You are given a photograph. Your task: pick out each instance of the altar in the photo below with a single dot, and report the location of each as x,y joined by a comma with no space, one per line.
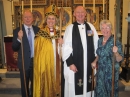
10,55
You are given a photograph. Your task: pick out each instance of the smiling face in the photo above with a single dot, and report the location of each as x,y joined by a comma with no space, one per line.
106,28
80,14
27,18
51,21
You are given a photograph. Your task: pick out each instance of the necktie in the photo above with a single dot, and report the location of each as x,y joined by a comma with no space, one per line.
30,40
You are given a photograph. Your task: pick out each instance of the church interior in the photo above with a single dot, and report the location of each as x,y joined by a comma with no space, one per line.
117,11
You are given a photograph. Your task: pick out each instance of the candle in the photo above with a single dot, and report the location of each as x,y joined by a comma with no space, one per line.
22,6
12,6
129,8
62,3
31,5
93,6
57,2
103,6
66,3
83,3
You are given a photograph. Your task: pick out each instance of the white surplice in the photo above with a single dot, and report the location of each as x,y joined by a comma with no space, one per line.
67,50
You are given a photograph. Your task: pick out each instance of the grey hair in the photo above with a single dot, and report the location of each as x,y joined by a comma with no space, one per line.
107,22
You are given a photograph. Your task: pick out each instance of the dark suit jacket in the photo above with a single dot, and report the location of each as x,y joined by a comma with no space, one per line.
16,46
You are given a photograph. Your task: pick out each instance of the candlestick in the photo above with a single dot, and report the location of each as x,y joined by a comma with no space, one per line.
93,6
13,21
12,6
103,6
22,6
103,16
31,5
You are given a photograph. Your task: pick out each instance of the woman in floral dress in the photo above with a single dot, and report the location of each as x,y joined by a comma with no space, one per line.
105,52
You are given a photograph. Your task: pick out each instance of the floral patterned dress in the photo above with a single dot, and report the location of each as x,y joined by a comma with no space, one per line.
104,73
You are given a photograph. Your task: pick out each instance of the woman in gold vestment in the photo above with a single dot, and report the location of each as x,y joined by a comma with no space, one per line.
46,56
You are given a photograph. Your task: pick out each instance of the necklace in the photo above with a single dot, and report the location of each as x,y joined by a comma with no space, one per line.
104,40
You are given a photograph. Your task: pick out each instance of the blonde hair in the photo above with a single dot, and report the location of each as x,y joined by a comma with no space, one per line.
107,22
45,20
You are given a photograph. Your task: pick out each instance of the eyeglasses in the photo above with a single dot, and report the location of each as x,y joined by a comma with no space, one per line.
107,28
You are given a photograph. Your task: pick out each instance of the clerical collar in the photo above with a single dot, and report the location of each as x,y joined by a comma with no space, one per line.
80,24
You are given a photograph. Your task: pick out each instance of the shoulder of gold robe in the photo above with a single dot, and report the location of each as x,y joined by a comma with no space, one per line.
45,34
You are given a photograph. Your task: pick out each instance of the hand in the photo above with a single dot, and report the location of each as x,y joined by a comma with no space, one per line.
115,49
20,34
73,68
60,41
93,65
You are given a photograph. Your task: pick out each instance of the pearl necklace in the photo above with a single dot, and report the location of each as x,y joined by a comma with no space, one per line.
104,40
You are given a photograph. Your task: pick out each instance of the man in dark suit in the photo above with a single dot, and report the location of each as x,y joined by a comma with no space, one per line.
21,36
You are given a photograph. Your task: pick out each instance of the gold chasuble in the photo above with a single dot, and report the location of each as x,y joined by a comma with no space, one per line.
44,83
